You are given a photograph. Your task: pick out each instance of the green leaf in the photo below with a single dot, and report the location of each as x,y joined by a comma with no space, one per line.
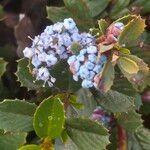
87,140
130,121
96,6
49,118
119,9
143,136
140,80
83,17
12,141
132,31
103,25
140,140
107,77
85,97
2,66
25,76
64,78
16,115
86,125
128,65
58,13
114,101
126,19
30,147
122,85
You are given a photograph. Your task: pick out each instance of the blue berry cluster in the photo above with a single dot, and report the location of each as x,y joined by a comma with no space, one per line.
87,65
52,45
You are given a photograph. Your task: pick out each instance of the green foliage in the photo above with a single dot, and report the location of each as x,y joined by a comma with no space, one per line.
114,101
107,77
103,25
96,6
132,31
120,9
25,76
87,134
12,141
128,65
30,147
49,118
57,13
86,125
66,114
130,121
140,140
64,78
139,80
16,115
85,97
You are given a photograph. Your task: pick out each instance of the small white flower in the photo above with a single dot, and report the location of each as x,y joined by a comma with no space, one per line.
69,24
51,60
28,52
43,74
57,27
92,49
42,56
49,30
35,61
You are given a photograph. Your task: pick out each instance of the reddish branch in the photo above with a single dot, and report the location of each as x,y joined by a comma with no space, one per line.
122,138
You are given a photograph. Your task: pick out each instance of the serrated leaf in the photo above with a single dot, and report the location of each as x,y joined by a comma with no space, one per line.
12,141
83,17
126,19
2,66
96,6
49,118
130,121
30,147
103,25
57,13
140,140
86,125
16,115
140,80
25,77
143,136
85,97
122,85
107,77
114,101
132,31
88,141
128,65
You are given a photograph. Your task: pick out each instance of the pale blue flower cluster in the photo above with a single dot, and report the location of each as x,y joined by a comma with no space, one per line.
52,45
86,65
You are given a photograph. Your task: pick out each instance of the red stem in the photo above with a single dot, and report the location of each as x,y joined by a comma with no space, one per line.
122,138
